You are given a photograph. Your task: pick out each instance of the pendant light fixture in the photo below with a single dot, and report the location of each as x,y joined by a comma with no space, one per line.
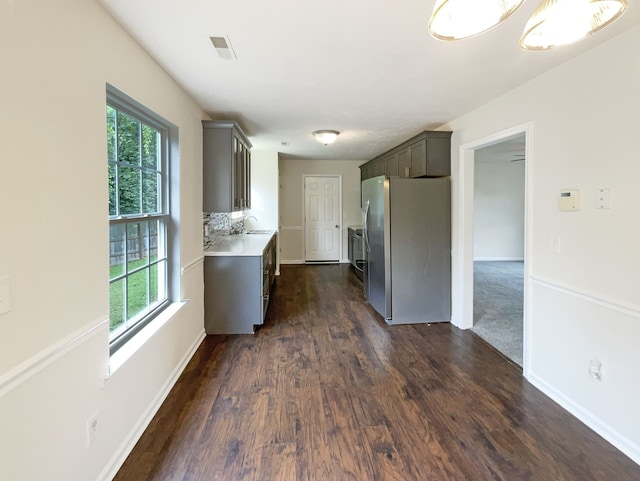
561,22
326,136
458,19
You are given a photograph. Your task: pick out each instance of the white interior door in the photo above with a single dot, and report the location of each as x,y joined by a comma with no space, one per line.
322,219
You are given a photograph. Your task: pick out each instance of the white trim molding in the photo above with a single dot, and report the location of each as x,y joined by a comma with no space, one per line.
192,265
128,350
632,310
498,259
572,404
621,442
32,366
125,448
462,254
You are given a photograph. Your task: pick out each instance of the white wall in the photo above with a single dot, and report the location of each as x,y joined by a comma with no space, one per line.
264,195
56,60
264,191
584,302
292,202
498,211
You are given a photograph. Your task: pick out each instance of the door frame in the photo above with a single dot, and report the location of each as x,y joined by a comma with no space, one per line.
304,217
462,279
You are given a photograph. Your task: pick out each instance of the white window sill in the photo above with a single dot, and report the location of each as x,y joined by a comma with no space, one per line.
126,352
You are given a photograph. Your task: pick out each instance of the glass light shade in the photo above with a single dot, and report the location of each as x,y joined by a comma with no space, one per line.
458,19
561,22
326,136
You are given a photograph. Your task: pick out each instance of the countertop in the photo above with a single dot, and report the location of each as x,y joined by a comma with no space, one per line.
239,245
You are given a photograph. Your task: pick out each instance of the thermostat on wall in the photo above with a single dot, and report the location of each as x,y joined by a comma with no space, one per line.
569,200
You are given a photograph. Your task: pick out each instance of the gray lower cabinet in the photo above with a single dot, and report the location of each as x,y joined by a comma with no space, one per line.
237,291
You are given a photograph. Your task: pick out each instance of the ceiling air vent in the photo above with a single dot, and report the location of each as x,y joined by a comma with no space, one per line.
223,47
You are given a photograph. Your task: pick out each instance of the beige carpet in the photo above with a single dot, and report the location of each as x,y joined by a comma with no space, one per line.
497,305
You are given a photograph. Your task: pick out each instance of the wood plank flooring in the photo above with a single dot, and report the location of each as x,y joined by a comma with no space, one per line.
325,391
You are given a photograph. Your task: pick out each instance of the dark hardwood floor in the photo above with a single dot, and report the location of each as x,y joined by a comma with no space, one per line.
325,391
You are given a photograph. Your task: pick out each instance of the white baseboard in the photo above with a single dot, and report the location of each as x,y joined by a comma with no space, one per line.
299,261
625,445
497,259
125,448
628,447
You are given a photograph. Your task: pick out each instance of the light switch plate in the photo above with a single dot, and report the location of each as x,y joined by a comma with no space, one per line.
5,295
603,198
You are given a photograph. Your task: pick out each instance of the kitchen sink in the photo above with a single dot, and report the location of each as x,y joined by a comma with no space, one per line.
263,231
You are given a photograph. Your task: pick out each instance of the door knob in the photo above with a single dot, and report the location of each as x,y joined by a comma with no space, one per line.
337,226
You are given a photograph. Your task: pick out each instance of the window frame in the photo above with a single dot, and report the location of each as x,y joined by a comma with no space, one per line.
168,139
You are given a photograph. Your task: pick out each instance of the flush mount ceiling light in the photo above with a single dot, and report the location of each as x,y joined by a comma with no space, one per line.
458,19
561,22
326,136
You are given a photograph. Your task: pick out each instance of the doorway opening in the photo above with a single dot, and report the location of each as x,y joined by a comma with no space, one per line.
493,241
498,245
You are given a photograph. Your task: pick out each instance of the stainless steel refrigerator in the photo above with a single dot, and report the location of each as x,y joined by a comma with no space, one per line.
407,248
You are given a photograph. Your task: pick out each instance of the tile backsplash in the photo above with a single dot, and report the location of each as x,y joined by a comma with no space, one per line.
220,224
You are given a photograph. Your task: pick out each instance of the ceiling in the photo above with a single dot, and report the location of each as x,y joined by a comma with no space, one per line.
367,68
511,150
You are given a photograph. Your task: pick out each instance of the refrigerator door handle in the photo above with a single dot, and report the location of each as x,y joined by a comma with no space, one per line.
365,228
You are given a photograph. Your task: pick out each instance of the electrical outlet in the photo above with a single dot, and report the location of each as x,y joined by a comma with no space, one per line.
595,369
554,245
92,428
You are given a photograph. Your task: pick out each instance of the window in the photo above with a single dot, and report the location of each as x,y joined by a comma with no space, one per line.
139,218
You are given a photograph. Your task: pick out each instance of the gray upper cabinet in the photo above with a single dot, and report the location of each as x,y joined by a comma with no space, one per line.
418,155
426,155
391,166
226,167
404,163
431,157
368,171
378,168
